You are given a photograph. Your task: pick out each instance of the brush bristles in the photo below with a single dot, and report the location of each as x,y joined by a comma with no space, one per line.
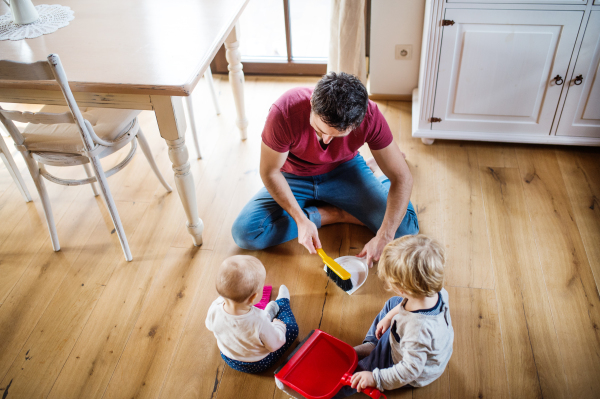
346,285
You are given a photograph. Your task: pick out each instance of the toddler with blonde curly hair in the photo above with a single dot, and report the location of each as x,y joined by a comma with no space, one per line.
410,340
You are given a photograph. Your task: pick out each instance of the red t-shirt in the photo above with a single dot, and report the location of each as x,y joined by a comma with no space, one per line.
288,129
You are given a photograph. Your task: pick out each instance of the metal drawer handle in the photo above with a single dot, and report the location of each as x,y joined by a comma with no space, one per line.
558,80
578,80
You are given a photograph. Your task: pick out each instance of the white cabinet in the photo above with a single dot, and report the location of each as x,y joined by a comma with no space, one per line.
497,69
500,72
581,113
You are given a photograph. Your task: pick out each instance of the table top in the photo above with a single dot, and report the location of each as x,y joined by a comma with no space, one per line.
132,46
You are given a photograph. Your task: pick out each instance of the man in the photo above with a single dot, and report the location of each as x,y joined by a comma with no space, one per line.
314,175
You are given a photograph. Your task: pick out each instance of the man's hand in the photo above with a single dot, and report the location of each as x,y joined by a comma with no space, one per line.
308,235
362,380
372,251
383,326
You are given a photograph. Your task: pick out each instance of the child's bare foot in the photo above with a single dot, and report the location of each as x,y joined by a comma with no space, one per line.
364,350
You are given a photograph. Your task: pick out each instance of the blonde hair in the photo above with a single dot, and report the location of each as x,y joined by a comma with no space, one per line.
413,264
239,277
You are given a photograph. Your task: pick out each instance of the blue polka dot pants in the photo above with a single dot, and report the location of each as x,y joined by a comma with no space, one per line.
291,333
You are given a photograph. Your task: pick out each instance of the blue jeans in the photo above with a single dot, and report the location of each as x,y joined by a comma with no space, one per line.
351,186
381,356
291,333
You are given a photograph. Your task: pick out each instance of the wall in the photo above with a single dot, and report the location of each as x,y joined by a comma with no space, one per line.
395,22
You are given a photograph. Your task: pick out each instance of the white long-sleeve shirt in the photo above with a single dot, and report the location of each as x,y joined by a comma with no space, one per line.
423,351
249,337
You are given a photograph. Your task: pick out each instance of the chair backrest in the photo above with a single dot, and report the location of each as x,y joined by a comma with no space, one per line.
42,70
11,70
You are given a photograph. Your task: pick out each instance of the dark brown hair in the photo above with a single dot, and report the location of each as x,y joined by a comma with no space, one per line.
340,100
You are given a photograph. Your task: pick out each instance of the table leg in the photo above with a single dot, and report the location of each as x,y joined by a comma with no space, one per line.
171,123
236,78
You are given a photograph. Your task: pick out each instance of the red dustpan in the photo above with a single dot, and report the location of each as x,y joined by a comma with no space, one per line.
320,366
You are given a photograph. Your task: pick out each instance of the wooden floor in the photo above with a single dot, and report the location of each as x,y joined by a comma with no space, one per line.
521,225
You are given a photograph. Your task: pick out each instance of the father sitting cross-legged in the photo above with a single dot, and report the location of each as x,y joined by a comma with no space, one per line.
314,175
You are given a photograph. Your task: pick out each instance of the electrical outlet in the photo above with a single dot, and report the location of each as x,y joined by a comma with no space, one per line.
403,51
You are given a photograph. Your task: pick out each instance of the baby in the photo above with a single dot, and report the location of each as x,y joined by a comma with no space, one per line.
250,339
410,340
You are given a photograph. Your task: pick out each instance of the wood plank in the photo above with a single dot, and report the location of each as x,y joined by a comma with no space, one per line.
438,389
529,296
425,163
581,175
285,264
137,182
94,357
468,259
366,302
24,231
24,226
531,349
190,375
311,290
316,301
447,197
215,188
41,358
55,97
150,348
573,295
496,155
6,180
29,298
476,368
11,210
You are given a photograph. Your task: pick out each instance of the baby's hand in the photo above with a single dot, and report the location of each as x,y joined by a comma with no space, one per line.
362,380
382,327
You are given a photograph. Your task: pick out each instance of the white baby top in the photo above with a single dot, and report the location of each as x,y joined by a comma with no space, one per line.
249,337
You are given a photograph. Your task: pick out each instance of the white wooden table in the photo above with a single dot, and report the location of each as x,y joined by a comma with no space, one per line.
138,54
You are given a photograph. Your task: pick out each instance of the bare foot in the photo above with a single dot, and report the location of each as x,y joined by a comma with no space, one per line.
364,350
372,164
331,214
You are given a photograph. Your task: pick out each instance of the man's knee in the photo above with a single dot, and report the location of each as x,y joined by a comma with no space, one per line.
242,236
410,224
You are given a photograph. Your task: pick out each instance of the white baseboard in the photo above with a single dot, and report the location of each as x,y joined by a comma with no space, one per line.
507,137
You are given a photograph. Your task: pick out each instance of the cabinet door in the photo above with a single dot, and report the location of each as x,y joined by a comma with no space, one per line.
581,2
497,67
581,113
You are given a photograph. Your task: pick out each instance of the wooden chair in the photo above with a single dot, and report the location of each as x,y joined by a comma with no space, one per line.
66,136
190,108
13,170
